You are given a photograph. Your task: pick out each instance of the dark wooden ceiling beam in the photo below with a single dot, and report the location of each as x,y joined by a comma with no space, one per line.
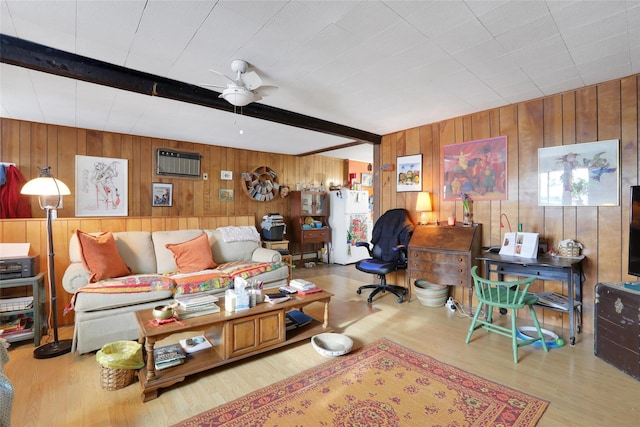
38,57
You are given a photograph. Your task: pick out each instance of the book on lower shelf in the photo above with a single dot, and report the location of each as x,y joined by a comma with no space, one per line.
295,319
168,356
554,300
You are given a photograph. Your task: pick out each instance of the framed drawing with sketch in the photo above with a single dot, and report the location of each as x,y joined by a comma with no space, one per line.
101,186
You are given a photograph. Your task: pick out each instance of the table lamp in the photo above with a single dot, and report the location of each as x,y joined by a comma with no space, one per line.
50,192
423,205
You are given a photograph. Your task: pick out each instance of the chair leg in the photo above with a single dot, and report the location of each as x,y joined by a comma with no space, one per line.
514,338
537,325
472,328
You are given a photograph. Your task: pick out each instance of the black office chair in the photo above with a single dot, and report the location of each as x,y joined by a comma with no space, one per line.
390,239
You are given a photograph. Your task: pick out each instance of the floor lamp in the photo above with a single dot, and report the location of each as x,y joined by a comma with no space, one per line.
50,192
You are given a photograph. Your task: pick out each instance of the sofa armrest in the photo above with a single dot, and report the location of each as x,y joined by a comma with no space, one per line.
75,277
266,255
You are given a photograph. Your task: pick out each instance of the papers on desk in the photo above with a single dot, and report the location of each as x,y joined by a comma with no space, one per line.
524,245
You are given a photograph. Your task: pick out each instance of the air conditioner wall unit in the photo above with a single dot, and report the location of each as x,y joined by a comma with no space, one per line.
174,163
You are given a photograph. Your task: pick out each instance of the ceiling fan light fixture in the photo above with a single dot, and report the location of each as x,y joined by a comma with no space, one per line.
238,96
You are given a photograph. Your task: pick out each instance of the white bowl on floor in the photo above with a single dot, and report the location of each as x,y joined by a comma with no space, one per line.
331,345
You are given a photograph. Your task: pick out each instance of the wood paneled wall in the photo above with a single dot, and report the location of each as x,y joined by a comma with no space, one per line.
31,145
600,112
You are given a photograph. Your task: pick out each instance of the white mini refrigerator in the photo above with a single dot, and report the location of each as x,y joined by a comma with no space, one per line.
350,221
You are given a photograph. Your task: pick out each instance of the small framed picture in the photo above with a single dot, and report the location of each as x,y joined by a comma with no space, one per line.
226,175
225,195
409,173
367,180
161,194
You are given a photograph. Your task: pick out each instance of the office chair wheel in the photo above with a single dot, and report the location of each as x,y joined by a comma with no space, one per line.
359,291
400,299
370,300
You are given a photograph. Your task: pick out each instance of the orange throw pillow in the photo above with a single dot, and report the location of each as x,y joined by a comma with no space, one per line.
192,255
100,256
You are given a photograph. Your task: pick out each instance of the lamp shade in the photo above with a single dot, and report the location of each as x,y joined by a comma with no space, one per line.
424,202
47,187
423,205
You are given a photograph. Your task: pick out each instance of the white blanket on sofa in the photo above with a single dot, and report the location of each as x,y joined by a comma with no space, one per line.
239,234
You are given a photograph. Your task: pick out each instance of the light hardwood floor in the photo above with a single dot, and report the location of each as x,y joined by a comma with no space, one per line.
583,390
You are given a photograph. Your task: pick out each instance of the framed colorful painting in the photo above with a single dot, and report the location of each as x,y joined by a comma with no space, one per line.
409,173
586,174
476,168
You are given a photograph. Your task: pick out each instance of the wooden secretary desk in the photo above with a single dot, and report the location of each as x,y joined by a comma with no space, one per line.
444,255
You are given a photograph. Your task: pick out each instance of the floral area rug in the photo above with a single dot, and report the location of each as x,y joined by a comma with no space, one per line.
381,384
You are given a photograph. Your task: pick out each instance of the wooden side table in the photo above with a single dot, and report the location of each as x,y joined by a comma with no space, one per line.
281,245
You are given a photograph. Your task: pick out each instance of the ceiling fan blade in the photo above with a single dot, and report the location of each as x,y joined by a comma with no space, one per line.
210,85
267,90
251,80
223,75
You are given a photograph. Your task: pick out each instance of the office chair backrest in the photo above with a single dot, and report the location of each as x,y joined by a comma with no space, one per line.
393,228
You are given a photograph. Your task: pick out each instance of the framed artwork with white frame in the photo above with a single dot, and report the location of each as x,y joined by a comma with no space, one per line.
586,174
161,194
101,186
409,173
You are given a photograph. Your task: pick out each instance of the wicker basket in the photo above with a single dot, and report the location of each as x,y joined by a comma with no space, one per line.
569,249
115,379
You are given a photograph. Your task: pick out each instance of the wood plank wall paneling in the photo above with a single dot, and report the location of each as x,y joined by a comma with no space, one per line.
34,232
600,112
32,145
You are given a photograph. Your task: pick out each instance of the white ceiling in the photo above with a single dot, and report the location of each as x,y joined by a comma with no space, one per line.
378,66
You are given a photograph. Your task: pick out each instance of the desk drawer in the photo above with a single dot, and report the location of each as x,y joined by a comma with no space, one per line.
313,236
438,257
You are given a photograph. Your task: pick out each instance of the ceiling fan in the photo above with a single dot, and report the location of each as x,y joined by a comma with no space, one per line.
242,90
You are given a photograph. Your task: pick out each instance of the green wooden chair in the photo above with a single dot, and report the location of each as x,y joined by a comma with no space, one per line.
505,295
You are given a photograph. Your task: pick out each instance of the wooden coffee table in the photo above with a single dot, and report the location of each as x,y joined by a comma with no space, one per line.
238,335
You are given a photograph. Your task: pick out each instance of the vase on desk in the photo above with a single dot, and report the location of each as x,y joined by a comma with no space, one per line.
467,213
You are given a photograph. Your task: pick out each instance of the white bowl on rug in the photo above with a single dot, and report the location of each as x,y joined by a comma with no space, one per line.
331,345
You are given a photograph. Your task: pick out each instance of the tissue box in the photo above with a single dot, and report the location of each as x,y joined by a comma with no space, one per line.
242,300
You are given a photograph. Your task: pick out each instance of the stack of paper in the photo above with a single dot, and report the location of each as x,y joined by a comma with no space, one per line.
192,345
195,305
16,304
301,284
276,298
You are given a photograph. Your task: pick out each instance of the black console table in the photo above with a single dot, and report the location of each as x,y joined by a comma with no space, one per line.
564,269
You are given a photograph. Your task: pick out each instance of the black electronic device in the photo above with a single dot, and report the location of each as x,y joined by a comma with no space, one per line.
19,267
634,232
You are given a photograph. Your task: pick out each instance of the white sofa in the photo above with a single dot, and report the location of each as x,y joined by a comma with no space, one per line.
101,318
